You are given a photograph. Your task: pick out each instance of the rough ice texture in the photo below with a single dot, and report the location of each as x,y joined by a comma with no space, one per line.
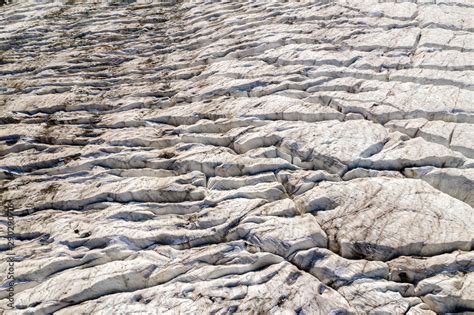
310,157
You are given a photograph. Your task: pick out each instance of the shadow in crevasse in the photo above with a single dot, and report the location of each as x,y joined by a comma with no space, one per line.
4,2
